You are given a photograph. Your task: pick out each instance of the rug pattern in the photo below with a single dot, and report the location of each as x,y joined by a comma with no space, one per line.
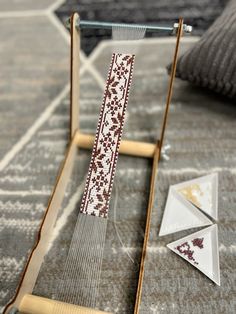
170,284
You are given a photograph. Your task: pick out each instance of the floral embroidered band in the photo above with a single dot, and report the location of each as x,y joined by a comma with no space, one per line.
103,162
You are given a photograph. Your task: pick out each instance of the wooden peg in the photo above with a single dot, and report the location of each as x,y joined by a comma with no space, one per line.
132,148
74,74
31,304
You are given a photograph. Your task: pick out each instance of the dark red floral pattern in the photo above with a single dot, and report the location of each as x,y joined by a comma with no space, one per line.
101,172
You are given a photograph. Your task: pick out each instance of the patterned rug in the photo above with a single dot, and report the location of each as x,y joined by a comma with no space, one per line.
34,120
198,146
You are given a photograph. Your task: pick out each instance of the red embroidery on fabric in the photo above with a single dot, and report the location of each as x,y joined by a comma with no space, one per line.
198,242
101,172
184,248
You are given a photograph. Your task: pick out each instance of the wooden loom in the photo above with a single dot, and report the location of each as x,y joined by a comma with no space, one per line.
24,301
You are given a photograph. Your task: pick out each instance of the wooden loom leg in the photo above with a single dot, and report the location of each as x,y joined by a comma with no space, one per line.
74,74
35,259
156,159
39,250
147,229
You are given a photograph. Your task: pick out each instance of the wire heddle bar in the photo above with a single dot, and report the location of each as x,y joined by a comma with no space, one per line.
152,28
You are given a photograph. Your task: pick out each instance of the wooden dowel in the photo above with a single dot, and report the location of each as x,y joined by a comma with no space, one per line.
156,159
171,83
74,74
147,229
31,304
133,148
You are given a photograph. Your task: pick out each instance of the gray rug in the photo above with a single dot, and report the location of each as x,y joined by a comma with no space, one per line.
201,131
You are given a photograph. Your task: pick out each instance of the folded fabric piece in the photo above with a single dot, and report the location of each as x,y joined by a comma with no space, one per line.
211,62
201,250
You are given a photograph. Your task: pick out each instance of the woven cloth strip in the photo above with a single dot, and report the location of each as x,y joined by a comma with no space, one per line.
102,167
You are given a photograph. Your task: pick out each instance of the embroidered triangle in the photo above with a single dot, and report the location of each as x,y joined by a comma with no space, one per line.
201,250
180,214
202,192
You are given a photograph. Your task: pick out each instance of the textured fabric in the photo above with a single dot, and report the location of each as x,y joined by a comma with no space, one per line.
211,62
102,167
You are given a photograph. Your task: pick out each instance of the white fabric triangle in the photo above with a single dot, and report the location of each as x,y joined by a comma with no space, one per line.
202,192
201,250
180,214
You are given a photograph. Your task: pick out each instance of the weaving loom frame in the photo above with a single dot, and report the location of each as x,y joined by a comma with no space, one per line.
79,140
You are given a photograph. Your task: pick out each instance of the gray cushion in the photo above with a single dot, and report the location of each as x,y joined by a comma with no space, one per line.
211,62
